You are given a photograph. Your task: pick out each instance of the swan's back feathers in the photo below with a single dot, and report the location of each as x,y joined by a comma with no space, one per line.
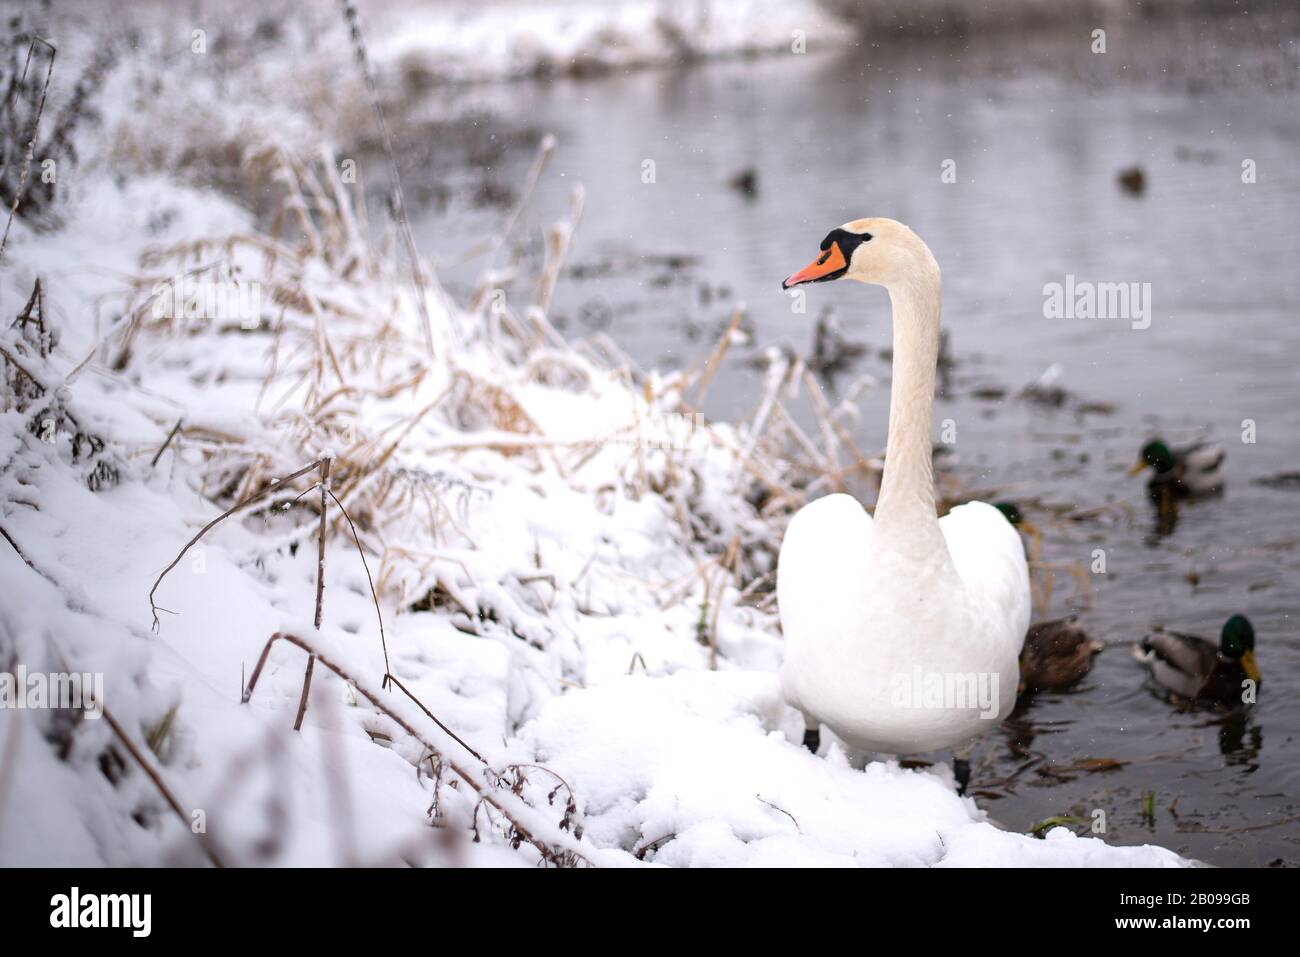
990,559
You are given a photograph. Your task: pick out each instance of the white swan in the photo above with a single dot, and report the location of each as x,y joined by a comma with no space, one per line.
902,632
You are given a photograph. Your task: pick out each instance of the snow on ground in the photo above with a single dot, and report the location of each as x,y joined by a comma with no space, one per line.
703,766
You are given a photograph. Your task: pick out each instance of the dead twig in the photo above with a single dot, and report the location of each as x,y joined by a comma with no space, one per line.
320,555
520,832
320,588
159,784
399,202
383,641
27,561
777,807
392,679
714,361
31,140
153,607
306,690
649,846
166,442
544,151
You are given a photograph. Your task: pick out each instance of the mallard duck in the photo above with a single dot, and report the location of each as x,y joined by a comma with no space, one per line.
1056,655
1192,667
879,612
1012,513
1185,472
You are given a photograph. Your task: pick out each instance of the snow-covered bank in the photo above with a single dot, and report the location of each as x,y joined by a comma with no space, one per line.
542,580
468,42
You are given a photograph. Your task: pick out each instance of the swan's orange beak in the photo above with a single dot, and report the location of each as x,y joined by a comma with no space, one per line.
826,266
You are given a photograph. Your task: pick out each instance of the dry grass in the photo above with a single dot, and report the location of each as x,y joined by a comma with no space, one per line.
348,372
347,376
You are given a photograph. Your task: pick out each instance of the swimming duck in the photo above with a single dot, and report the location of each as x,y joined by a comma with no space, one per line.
1193,668
884,616
1056,655
1185,472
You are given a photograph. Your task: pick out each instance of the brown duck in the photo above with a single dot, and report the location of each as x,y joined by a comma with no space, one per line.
1056,655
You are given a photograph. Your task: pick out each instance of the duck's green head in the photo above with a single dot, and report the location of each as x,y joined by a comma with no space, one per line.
1011,511
1237,643
1157,455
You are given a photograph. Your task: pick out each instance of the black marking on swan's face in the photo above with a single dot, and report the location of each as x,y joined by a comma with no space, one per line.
848,243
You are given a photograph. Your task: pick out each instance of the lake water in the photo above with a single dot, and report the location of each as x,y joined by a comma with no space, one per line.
1037,130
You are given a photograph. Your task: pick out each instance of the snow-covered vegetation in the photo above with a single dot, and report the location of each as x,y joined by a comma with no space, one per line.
529,587
466,41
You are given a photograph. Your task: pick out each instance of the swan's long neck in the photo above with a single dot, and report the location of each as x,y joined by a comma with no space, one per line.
906,502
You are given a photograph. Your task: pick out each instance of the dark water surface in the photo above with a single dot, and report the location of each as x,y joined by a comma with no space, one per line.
1038,129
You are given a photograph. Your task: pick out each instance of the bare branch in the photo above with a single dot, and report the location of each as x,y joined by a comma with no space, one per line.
153,607
551,854
31,142
320,559
306,690
158,783
383,641
166,442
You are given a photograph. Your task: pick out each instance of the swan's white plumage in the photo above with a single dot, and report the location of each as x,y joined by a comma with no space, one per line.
855,619
990,559
873,609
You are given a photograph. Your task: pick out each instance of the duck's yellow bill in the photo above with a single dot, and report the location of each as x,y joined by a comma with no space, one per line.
1248,665
1138,466
825,266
